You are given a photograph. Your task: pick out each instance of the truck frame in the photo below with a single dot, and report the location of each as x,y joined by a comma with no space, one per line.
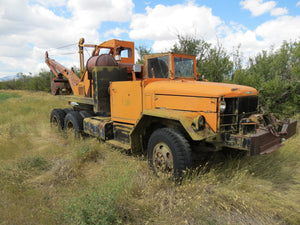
160,109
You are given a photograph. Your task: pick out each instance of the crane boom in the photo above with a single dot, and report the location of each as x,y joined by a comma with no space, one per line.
58,69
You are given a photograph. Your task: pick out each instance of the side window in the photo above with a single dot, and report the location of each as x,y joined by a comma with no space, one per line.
126,53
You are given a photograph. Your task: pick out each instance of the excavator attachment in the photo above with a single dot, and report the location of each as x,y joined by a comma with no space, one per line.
60,86
64,79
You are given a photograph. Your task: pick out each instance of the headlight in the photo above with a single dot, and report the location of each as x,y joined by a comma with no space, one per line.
222,106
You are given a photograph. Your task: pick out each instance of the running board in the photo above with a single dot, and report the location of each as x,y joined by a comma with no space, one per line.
119,144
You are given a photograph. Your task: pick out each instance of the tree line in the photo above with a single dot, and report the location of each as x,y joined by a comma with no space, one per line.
39,82
274,73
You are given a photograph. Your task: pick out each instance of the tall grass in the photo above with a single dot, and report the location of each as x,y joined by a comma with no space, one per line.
47,179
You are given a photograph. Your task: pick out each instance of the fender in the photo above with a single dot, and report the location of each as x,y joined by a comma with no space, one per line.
184,118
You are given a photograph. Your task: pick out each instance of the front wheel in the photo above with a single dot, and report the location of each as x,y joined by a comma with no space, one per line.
168,152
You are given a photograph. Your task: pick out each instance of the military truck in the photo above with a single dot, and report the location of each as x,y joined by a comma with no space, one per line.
161,108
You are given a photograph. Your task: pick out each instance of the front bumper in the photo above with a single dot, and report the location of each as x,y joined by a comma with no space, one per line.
264,141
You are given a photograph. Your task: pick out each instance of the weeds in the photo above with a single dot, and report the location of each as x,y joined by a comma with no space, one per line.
47,179
33,163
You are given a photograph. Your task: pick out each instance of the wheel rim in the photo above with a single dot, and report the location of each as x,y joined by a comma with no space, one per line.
71,130
70,127
163,159
54,122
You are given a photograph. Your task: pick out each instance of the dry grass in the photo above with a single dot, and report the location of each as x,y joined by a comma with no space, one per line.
47,179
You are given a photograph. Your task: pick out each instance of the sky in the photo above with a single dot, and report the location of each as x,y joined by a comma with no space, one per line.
28,28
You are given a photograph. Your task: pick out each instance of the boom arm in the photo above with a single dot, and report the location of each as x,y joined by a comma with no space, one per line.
59,70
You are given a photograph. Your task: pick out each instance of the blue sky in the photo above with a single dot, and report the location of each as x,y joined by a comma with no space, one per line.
30,27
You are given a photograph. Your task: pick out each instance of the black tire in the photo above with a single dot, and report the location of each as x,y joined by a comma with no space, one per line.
168,152
73,124
57,118
68,110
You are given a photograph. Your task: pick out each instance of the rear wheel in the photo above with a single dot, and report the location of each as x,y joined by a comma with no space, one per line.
67,110
57,118
168,153
73,124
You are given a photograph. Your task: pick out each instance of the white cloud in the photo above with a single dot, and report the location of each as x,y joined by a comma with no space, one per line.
259,7
163,23
115,32
270,33
282,28
29,27
51,3
298,4
279,11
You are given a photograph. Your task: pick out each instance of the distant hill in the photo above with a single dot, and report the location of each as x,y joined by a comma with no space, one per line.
8,77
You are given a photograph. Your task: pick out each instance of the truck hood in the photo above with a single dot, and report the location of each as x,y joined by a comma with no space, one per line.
198,88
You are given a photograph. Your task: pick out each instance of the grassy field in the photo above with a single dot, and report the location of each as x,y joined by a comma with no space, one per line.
47,179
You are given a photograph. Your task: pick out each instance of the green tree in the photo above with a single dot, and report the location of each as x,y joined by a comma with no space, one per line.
276,75
142,50
217,65
213,62
190,45
39,82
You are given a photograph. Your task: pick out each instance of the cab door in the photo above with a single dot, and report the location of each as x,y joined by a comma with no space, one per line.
126,101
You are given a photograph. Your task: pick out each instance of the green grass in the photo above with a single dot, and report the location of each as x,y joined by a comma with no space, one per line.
4,96
47,179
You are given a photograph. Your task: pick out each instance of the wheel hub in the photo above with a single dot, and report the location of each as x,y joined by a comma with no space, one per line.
163,158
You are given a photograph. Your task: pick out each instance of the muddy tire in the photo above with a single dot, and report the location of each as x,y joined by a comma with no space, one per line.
57,118
168,153
73,124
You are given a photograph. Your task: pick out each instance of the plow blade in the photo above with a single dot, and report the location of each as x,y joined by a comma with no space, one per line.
263,141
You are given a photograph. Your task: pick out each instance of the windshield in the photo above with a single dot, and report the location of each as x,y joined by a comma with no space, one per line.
184,67
158,67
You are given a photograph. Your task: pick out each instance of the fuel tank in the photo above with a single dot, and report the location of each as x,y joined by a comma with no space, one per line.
100,60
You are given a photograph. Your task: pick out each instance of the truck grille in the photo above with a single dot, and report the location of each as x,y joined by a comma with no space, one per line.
236,109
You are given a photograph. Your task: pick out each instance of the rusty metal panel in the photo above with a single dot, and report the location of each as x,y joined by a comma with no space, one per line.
262,141
291,129
102,76
100,127
237,141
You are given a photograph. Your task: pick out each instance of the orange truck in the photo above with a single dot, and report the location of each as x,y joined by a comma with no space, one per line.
160,109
